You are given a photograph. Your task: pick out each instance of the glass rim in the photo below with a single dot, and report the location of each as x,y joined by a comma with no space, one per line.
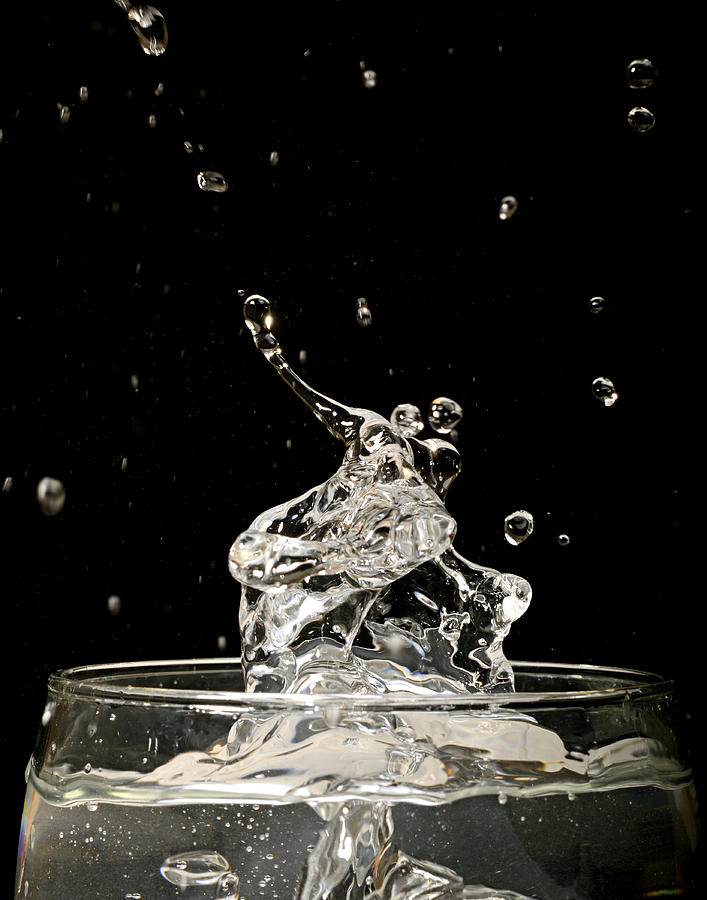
93,682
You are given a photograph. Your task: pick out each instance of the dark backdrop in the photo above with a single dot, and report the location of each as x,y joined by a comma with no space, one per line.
127,373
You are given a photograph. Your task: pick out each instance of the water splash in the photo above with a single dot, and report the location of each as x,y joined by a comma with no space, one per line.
150,26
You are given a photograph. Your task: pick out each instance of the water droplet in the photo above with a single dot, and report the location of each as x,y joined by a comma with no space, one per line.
518,526
407,420
212,181
641,119
150,27
221,641
502,798
91,806
134,382
83,93
640,73
563,539
87,768
507,207
604,390
64,113
444,415
48,713
152,120
159,89
113,604
51,496
228,886
302,356
597,304
363,313
369,78
2,135
196,868
7,485
188,146
274,158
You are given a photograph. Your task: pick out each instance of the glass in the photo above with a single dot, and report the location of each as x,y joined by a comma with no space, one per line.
165,779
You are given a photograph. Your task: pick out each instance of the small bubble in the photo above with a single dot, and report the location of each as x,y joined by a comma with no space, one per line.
641,119
150,27
407,420
152,120
369,78
51,496
597,304
507,207
518,526
274,158
196,868
83,93
563,539
212,181
444,415
640,74
604,390
113,604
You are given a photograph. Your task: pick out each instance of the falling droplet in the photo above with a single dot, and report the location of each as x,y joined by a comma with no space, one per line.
444,415
604,390
221,642
188,146
197,868
507,207
640,74
363,313
7,485
152,120
114,605
563,539
83,93
64,113
51,496
369,78
212,181
48,713
274,158
134,382
641,119
597,304
150,27
518,526
159,89
407,420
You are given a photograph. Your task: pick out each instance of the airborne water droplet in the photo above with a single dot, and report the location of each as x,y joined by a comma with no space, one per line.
149,25
212,181
563,539
507,207
597,304
363,313
274,158
444,415
640,73
518,526
51,495
641,119
83,93
114,605
604,390
152,120
369,78
407,420
64,113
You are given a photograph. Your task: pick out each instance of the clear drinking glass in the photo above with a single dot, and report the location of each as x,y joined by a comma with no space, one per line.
165,779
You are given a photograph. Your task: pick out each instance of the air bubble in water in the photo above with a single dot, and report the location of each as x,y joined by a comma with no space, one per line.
597,304
196,868
518,526
641,119
604,390
83,93
150,27
369,78
363,313
640,73
212,181
51,496
407,420
444,415
507,207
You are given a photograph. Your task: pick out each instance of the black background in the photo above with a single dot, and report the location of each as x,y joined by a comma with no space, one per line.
390,193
